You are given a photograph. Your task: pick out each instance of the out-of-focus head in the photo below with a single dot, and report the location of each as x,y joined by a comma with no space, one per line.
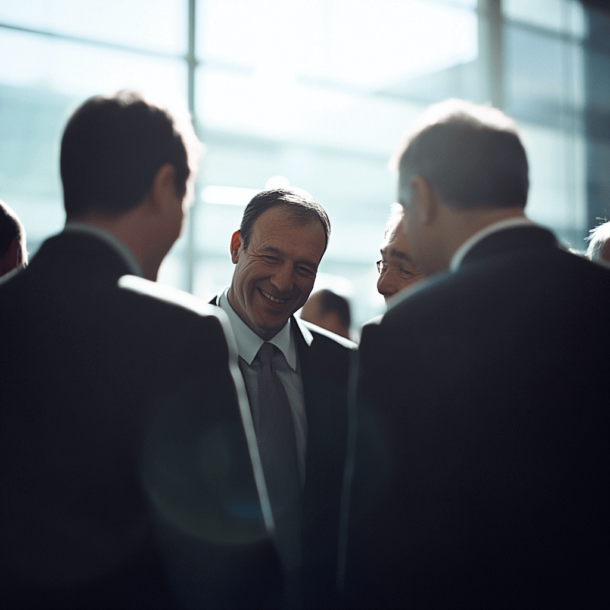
599,243
13,251
276,252
112,149
329,310
396,268
467,157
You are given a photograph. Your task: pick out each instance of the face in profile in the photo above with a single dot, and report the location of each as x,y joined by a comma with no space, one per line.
396,268
275,274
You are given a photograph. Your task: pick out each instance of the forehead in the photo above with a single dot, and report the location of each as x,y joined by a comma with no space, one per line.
395,242
404,187
277,228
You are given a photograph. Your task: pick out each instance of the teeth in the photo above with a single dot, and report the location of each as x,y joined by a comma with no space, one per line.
273,299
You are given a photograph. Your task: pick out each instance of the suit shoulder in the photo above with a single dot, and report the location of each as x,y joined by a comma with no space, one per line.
176,307
327,336
161,294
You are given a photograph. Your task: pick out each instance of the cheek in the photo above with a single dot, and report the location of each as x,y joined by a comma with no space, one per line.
305,287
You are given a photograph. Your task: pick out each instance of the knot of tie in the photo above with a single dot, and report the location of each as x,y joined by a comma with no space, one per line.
265,353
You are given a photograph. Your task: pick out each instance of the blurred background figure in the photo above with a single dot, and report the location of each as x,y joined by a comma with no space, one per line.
13,251
396,268
599,244
328,310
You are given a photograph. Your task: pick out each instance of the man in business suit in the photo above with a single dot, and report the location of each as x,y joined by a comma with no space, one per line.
276,252
119,409
481,466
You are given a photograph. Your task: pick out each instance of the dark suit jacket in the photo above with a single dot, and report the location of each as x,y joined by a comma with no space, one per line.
482,461
325,366
118,411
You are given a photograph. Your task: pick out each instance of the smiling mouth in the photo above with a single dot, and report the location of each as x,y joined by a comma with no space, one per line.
272,298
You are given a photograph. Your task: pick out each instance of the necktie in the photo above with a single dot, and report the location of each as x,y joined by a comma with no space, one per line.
277,446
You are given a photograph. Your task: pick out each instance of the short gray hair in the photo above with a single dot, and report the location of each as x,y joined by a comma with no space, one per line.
469,155
599,243
397,214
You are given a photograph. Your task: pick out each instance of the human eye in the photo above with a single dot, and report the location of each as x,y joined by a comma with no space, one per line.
305,271
407,273
269,258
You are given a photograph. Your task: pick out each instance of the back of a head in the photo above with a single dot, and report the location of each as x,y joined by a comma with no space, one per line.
112,148
331,302
299,204
470,155
599,244
12,240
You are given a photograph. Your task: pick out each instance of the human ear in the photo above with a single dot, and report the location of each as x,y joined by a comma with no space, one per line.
12,258
163,189
424,199
235,245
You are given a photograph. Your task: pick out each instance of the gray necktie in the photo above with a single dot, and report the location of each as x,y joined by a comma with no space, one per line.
277,446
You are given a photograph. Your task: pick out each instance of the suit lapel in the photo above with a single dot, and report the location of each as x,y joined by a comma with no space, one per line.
304,353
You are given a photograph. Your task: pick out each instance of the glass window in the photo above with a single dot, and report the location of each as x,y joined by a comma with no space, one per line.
310,93
320,92
157,25
46,80
358,43
557,195
566,16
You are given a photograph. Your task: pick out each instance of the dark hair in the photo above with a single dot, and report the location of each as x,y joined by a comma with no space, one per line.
10,227
301,206
330,301
112,148
469,155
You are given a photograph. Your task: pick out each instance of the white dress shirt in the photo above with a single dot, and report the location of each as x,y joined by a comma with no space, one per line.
110,240
287,366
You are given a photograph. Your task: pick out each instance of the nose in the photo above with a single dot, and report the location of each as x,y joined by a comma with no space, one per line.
282,279
386,285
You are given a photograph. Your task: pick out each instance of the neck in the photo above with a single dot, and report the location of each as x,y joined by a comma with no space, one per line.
131,230
461,225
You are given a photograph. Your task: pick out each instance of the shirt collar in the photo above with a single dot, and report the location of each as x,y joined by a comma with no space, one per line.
111,240
248,342
458,257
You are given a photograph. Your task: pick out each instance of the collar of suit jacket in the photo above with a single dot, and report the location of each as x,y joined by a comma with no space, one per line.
462,251
109,239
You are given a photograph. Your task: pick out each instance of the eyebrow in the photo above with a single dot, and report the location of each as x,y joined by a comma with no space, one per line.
396,254
272,250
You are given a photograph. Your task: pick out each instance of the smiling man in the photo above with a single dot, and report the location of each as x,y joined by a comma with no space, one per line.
296,378
396,268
